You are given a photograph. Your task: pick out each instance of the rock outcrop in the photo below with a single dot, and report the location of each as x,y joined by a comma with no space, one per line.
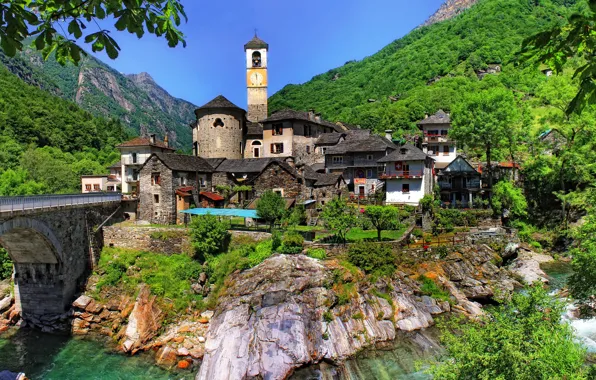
527,266
143,322
448,10
284,313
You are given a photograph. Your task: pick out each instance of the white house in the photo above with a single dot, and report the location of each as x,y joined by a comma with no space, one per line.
408,175
133,155
436,142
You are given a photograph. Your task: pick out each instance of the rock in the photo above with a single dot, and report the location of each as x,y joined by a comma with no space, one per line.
82,302
183,364
203,320
166,356
5,303
201,339
80,327
202,278
144,321
207,314
527,266
128,345
197,353
183,352
94,307
197,288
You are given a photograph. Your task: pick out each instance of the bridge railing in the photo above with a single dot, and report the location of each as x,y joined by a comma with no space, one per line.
35,202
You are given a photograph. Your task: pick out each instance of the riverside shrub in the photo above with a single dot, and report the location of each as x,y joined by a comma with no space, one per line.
5,265
373,258
523,339
209,237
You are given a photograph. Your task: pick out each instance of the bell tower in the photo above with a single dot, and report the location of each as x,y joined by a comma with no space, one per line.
256,78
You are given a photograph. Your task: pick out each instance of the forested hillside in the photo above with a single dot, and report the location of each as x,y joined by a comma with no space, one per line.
141,104
424,70
47,143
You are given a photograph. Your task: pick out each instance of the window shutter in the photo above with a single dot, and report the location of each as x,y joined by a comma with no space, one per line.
272,148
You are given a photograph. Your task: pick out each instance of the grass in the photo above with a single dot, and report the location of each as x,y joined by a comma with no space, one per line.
169,277
432,289
357,234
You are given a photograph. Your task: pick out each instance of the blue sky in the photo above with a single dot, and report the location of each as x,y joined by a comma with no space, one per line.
306,38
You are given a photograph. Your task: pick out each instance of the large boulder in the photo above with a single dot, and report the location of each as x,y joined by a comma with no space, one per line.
143,322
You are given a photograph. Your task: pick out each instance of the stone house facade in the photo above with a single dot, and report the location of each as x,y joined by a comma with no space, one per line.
164,179
436,141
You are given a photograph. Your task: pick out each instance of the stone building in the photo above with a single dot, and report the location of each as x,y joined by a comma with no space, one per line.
356,158
219,130
133,154
170,183
460,183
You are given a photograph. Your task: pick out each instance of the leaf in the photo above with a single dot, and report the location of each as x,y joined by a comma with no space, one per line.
75,29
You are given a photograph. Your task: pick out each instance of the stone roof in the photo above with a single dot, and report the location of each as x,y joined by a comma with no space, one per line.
289,114
406,152
320,179
219,101
254,129
214,162
250,165
439,118
329,138
144,141
256,43
183,163
357,144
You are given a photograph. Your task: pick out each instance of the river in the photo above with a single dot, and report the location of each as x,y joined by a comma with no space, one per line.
48,357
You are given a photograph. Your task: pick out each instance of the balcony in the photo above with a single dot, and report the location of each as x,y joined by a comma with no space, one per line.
473,184
131,179
414,174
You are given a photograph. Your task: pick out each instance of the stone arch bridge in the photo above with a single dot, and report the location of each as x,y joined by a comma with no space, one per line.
54,242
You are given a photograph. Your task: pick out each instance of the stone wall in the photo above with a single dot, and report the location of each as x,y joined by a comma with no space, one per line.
220,141
163,211
275,177
160,240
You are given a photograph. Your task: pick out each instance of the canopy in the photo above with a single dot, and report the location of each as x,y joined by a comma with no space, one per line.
222,212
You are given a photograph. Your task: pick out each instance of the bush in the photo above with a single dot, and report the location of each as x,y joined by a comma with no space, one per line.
209,237
442,251
373,258
432,289
276,239
328,316
292,243
317,253
5,265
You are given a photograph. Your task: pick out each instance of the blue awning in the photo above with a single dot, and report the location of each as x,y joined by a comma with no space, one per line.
222,212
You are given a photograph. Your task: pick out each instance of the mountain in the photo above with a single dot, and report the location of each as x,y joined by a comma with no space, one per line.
430,67
136,100
448,10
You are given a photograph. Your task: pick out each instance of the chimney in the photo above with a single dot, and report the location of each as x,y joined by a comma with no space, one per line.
311,114
166,141
426,116
290,161
152,138
318,117
389,134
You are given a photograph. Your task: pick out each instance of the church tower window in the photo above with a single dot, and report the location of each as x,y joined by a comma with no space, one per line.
218,123
256,59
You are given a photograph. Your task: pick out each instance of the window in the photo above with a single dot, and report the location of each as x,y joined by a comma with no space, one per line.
446,150
155,179
278,129
218,123
96,187
111,188
155,198
256,59
202,182
88,187
369,173
433,150
406,169
195,148
277,148
369,157
323,150
405,188
443,132
308,149
183,180
337,159
433,132
307,130
279,191
134,158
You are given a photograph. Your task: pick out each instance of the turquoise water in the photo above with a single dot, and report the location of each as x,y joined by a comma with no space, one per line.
55,357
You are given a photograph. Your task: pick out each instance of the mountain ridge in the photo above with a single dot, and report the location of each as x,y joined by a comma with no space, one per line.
448,10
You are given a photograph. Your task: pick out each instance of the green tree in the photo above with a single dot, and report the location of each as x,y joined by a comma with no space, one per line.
17,182
339,217
507,196
382,218
271,207
522,340
582,283
373,258
557,45
483,120
58,25
5,265
209,236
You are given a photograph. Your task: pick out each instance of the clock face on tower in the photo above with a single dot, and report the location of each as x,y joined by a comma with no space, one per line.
257,78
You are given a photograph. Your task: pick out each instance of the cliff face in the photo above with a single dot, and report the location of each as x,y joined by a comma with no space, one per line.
449,9
137,100
287,312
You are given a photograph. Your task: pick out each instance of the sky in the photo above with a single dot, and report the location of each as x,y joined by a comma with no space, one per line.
306,38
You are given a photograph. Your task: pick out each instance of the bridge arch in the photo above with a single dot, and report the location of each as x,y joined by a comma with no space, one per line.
37,254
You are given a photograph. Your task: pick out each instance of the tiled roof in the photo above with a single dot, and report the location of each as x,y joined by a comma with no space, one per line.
256,43
372,143
213,196
219,101
288,114
405,152
439,118
329,138
183,163
144,141
254,129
